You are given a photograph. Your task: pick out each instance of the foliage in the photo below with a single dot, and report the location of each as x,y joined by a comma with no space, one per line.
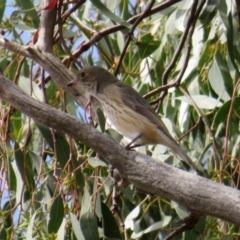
55,187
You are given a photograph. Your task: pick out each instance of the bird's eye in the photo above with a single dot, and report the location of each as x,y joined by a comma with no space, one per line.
82,74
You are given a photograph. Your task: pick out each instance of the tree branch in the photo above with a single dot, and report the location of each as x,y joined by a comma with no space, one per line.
45,37
196,193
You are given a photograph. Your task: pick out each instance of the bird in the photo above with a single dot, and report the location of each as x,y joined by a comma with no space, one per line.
127,110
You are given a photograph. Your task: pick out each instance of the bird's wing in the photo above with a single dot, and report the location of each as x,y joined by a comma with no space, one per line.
136,102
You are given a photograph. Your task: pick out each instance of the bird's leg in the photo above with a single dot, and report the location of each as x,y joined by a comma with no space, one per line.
129,147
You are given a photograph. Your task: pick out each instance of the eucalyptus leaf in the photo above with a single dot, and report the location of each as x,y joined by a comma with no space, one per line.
88,223
96,162
153,227
76,227
56,215
202,101
18,23
100,6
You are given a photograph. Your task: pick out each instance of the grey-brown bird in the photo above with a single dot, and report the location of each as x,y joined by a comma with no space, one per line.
127,110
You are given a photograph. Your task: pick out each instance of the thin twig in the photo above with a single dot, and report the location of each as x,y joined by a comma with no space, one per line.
215,146
193,127
70,11
159,89
228,127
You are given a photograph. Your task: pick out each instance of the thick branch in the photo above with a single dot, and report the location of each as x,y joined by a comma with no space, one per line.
196,193
45,38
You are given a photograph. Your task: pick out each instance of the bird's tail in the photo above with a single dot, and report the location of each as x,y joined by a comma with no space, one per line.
186,158
176,148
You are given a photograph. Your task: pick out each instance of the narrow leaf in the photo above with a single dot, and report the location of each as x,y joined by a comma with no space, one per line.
153,227
222,113
110,227
202,101
96,162
18,23
100,6
2,8
147,45
76,227
56,215
220,78
89,226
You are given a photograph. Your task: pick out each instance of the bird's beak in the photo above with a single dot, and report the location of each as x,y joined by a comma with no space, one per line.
72,83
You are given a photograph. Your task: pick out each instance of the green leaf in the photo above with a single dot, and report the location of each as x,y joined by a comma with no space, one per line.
76,227
29,173
222,21
182,14
89,226
19,180
202,101
96,162
61,231
62,146
46,132
170,27
199,227
67,33
2,8
6,220
29,8
222,113
129,220
78,171
56,215
51,91
30,88
16,121
72,108
100,6
153,227
19,157
30,231
18,23
110,227
63,150
114,134
220,78
147,45
181,211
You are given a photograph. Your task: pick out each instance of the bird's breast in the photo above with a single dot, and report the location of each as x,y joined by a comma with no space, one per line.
127,121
